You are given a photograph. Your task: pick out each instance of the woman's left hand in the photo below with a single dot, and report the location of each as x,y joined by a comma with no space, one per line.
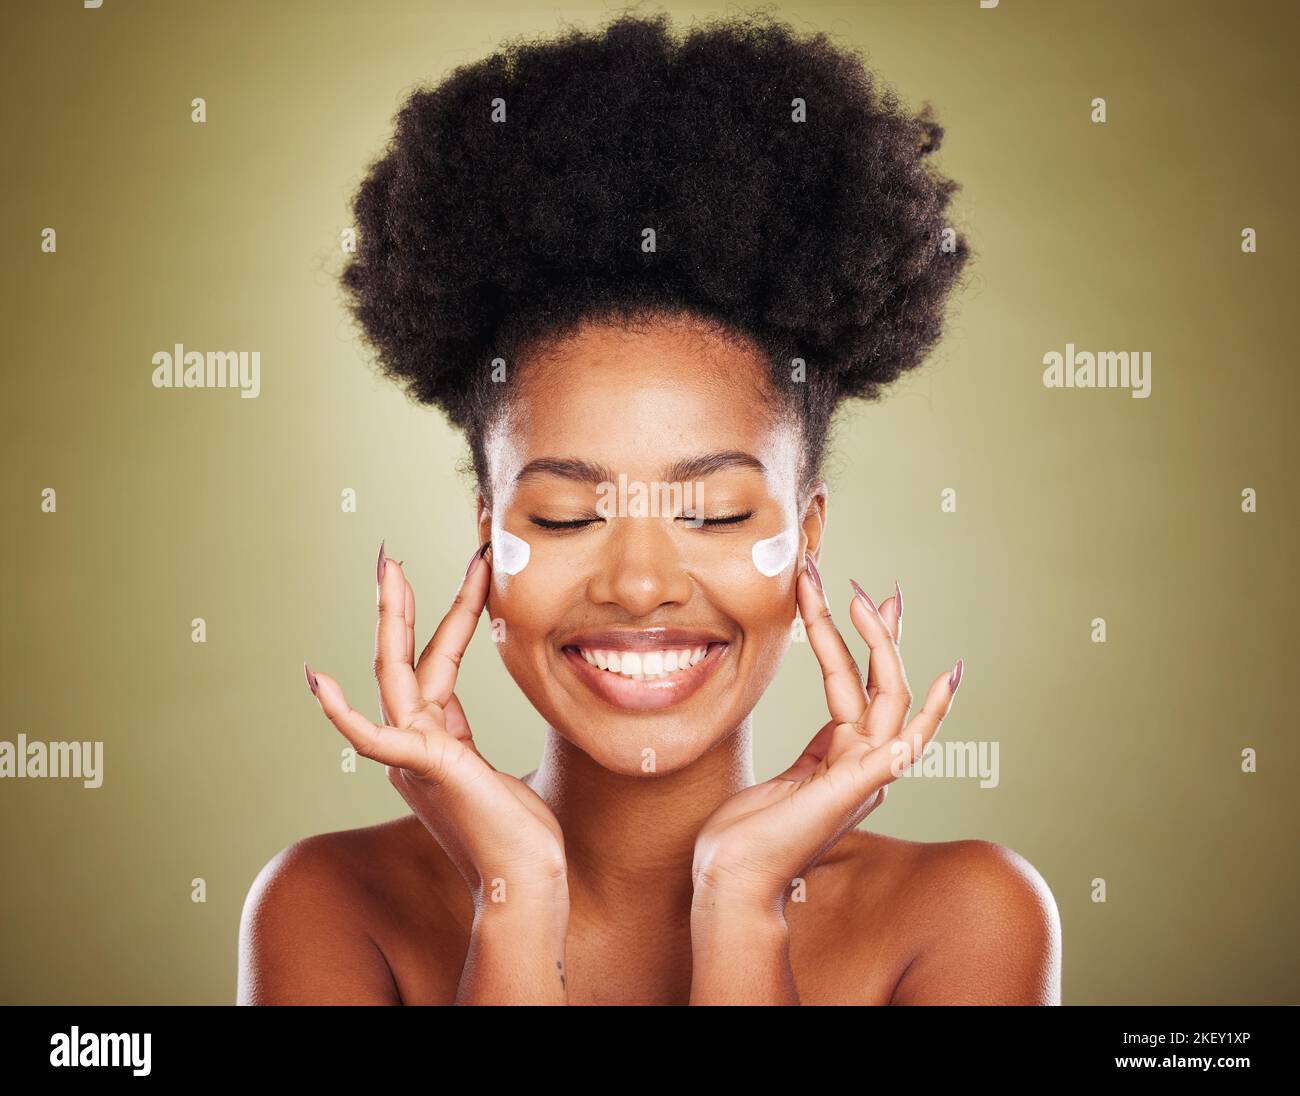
752,848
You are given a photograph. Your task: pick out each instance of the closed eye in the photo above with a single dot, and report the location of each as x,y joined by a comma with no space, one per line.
576,523
730,519
579,523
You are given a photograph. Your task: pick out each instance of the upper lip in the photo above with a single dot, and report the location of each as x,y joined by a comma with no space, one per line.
642,639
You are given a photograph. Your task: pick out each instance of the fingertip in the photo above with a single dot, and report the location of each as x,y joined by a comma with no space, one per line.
326,688
810,569
860,592
480,554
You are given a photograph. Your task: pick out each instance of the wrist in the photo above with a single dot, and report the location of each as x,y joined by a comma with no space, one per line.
740,956
516,955
522,909
731,902
716,923
508,891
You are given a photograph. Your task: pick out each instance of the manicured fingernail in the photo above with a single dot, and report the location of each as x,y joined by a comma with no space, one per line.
898,599
482,551
383,562
954,678
863,595
812,570
311,678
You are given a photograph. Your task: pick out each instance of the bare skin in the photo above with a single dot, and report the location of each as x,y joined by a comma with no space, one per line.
593,879
379,916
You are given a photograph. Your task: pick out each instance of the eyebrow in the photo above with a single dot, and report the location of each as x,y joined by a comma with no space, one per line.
690,468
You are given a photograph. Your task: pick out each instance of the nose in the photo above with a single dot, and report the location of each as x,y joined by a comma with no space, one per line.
641,568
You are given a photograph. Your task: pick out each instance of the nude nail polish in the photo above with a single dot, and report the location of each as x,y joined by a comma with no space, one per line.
812,570
954,678
898,599
383,562
311,679
482,551
863,595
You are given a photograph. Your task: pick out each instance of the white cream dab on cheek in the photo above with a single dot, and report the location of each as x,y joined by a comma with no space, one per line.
510,553
774,555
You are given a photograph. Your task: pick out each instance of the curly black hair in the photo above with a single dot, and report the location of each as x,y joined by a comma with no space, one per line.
788,193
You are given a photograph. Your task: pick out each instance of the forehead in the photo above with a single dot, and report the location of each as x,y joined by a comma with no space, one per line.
638,399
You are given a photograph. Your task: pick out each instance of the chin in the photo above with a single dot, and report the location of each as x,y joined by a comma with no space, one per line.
625,748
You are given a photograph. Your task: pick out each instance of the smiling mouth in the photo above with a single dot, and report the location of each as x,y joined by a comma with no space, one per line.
645,679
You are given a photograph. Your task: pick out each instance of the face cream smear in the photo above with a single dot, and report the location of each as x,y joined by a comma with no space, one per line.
774,555
780,463
510,553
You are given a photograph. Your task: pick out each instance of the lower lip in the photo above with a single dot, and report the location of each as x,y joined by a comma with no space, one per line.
646,696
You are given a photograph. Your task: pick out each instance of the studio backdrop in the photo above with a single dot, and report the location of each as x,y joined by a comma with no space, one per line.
1112,552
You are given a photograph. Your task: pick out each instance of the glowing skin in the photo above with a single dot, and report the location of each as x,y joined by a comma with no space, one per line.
652,405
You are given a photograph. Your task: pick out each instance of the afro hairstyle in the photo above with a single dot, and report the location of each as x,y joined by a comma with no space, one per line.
788,191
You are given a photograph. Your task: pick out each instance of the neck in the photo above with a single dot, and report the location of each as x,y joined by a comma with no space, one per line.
630,840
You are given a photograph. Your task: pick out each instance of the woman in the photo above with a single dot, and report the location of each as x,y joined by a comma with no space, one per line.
641,274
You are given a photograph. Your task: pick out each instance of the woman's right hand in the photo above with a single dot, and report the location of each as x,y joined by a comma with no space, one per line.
500,834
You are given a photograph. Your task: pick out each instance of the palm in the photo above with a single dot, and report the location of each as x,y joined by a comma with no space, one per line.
762,838
478,814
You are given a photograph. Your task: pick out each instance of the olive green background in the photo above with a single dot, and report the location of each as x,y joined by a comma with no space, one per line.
1119,761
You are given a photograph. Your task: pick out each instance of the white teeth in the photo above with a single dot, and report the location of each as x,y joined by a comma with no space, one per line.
641,666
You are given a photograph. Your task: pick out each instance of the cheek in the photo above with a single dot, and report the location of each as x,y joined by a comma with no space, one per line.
524,607
764,607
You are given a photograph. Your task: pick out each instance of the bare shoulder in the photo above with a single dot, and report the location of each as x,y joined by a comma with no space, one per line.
987,928
949,922
321,913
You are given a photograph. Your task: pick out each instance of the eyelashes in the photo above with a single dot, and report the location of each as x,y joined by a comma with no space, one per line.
582,523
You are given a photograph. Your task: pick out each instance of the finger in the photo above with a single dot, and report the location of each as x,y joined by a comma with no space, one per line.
399,692
457,724
846,697
388,745
440,662
895,757
892,698
409,616
890,613
887,614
